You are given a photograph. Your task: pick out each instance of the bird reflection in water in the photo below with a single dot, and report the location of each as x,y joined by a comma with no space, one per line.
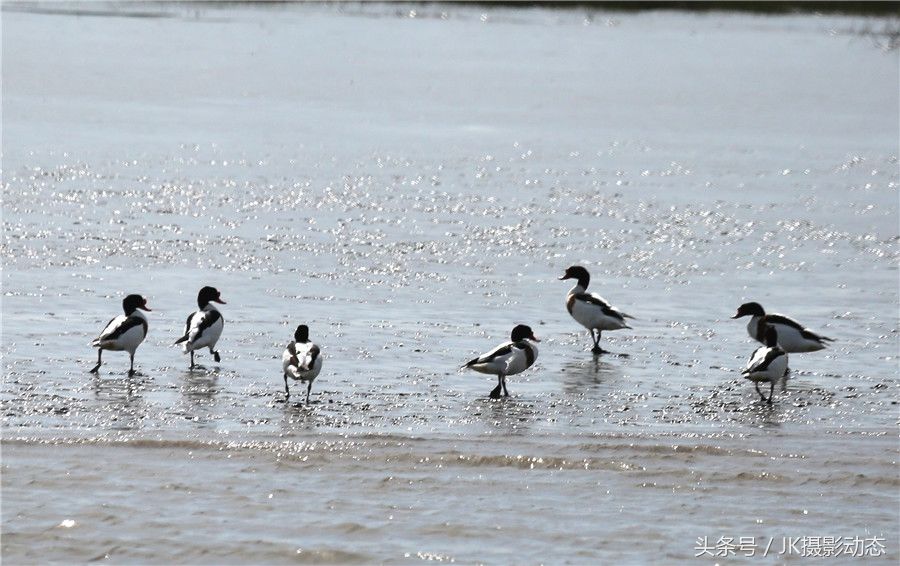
589,374
298,418
510,416
764,415
200,389
122,400
122,391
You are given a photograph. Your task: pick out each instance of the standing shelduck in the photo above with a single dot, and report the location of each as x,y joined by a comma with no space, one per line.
590,310
301,361
768,364
203,328
792,336
124,332
509,358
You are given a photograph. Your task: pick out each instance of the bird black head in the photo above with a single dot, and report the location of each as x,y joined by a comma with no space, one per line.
771,336
577,272
751,309
208,295
521,332
134,302
301,334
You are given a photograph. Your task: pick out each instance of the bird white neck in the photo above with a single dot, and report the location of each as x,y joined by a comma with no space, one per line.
753,328
577,289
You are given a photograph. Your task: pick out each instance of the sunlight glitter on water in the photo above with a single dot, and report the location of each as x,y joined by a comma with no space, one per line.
411,235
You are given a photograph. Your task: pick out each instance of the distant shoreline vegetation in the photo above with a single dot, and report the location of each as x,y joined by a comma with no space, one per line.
888,10
787,7
141,7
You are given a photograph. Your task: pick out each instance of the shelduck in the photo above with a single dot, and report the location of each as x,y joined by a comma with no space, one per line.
793,337
301,361
124,332
203,327
508,358
591,310
768,364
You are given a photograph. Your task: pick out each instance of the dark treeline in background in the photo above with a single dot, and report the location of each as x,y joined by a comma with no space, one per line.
795,6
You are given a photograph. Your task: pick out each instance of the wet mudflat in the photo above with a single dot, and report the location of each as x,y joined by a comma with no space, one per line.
411,188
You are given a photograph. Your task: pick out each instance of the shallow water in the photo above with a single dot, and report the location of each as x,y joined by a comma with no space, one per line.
411,188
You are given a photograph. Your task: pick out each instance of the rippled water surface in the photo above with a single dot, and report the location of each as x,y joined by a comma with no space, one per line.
411,188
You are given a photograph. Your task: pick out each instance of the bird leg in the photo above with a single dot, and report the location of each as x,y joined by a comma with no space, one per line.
99,356
192,359
761,396
505,392
771,392
131,369
308,389
216,356
287,392
784,379
597,350
495,393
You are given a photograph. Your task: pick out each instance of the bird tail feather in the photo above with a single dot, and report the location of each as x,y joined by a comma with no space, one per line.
469,364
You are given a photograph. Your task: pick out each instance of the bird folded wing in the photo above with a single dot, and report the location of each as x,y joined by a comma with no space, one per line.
125,326
607,309
110,326
204,321
187,329
501,350
763,364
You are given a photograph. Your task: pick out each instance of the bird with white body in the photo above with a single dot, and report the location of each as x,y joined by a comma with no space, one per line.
301,361
591,310
793,337
508,358
204,327
124,332
768,364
